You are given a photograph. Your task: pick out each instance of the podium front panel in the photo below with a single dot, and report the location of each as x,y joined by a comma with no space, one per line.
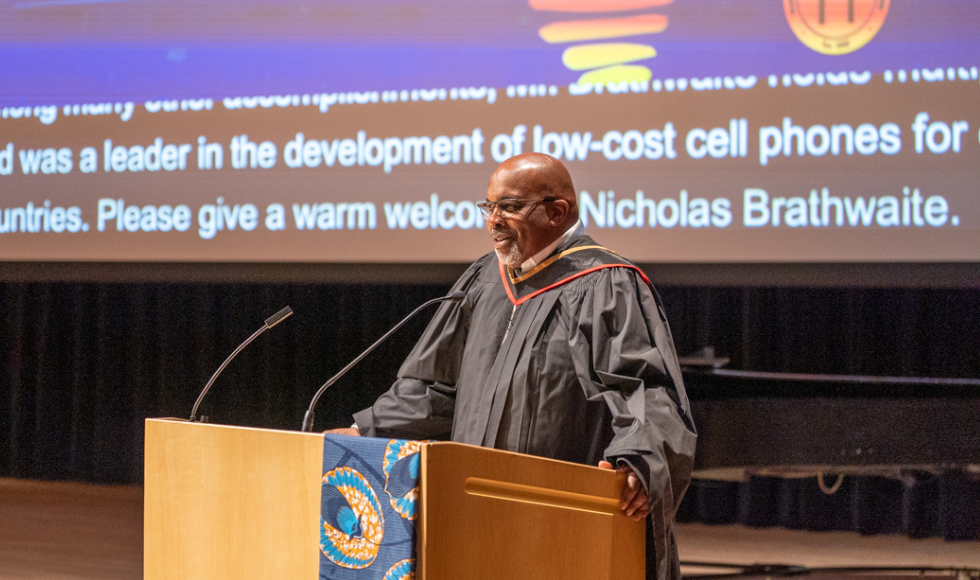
225,502
493,515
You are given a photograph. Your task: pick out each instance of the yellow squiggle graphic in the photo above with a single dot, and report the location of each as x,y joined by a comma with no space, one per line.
588,56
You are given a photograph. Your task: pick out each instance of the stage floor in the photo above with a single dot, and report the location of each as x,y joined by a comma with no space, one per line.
70,531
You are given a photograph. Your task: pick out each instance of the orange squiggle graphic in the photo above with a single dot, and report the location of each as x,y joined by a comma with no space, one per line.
571,31
595,5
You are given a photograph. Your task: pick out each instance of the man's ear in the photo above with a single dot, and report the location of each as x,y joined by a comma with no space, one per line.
559,212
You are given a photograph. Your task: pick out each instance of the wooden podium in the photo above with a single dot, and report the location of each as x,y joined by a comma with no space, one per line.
225,502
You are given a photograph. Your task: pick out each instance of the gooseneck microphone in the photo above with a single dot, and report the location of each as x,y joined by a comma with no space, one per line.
269,323
308,416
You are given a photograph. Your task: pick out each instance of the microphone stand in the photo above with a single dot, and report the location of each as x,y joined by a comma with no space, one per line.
269,323
308,416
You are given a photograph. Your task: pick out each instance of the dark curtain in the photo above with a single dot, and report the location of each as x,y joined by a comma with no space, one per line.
919,505
83,364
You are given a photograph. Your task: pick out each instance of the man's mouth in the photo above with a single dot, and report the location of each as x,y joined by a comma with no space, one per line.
501,238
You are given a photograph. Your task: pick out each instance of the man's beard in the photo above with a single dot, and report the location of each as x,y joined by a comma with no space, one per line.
511,255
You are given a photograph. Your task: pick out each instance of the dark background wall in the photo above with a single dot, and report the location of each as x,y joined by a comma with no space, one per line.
83,364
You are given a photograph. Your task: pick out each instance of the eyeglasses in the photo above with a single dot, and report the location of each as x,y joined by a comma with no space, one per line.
508,207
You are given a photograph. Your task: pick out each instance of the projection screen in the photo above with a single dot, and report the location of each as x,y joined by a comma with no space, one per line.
697,131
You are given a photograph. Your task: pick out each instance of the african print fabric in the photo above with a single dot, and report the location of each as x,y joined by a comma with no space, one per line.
368,507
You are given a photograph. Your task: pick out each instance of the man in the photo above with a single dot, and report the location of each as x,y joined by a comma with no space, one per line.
559,349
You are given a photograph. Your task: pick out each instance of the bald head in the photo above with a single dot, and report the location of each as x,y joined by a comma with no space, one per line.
538,175
541,189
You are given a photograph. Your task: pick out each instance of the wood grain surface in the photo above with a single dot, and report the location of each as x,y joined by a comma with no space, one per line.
489,514
235,503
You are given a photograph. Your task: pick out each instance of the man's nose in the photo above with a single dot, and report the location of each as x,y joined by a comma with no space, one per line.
494,218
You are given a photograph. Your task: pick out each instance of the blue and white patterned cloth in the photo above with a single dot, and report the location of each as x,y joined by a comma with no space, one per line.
368,507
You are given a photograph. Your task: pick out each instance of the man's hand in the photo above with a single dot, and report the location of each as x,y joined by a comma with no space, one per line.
633,502
343,431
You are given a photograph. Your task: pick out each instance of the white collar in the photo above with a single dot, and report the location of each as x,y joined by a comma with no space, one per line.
540,256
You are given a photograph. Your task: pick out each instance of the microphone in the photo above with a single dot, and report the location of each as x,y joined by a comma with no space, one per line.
454,297
269,323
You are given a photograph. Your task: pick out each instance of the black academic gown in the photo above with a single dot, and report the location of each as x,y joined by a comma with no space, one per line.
572,361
